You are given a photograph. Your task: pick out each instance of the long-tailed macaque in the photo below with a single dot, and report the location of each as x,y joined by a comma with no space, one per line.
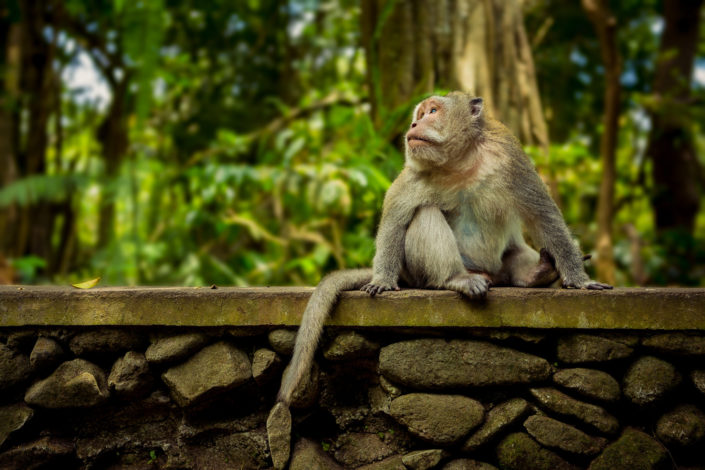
453,219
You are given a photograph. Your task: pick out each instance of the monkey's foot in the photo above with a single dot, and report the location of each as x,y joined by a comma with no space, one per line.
545,272
473,285
279,435
589,284
594,285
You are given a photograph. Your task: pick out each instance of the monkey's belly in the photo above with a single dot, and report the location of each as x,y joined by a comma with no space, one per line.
481,249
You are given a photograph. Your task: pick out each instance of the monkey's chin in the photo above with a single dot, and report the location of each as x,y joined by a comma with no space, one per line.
424,157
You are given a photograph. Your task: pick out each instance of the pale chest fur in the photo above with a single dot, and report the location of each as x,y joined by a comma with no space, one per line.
482,218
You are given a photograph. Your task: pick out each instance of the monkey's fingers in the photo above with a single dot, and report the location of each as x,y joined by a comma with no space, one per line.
374,289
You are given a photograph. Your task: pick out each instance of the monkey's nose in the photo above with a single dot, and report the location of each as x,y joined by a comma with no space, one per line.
413,124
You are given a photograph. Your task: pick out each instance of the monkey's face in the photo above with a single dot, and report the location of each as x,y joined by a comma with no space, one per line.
441,129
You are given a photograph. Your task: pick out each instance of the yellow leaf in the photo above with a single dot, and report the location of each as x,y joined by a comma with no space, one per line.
87,284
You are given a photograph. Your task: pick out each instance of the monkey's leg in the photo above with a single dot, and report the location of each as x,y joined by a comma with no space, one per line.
432,258
524,267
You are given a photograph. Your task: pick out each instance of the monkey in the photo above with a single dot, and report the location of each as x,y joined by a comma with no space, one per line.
453,219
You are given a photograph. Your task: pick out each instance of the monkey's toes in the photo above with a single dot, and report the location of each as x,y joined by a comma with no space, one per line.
598,286
475,287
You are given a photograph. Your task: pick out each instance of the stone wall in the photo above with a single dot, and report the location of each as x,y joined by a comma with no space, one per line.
110,394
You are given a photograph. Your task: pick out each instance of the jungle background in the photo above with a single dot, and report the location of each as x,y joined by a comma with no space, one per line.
237,142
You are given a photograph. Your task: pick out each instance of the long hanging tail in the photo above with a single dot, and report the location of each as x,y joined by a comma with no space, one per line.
317,310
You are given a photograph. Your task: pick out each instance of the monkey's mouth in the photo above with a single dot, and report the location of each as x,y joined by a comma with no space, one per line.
414,140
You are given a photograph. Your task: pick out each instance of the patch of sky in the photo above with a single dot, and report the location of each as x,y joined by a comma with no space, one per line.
578,57
85,82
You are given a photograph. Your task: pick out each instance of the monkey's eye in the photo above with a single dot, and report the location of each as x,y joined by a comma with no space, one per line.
433,110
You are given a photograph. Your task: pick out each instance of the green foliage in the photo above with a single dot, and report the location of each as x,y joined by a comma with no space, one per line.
252,158
28,267
35,188
142,23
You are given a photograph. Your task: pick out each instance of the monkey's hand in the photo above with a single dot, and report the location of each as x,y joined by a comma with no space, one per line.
373,288
585,284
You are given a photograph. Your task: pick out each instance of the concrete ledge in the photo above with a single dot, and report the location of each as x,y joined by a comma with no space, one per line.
629,308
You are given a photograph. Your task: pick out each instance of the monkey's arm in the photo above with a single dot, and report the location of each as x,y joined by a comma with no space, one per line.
398,210
548,229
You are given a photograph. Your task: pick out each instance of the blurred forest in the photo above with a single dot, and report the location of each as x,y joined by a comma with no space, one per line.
239,142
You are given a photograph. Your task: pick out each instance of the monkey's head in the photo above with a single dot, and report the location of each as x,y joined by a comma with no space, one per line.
442,129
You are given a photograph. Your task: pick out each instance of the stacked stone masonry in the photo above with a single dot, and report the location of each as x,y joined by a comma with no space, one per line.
146,397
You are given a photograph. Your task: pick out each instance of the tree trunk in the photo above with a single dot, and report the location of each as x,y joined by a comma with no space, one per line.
606,28
675,171
38,219
9,99
675,165
478,46
113,137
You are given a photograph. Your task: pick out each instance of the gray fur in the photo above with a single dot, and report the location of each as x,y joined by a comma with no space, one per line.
472,170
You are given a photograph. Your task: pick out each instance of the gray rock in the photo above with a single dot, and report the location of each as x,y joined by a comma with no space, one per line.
518,451
680,344
468,464
437,364
698,378
45,354
423,459
350,345
308,455
682,427
649,380
498,419
555,434
578,349
438,419
14,368
76,383
13,418
379,400
390,463
306,392
130,376
265,365
216,368
356,449
46,452
560,403
174,348
105,342
282,341
589,383
279,434
633,450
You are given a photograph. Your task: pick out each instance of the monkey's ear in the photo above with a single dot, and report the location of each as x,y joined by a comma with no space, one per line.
476,105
